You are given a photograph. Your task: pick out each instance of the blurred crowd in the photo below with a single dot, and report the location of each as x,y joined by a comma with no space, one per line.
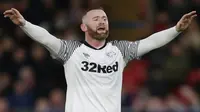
164,80
30,80
167,79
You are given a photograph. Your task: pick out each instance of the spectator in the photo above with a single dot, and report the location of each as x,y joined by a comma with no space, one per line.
174,104
155,104
27,75
42,105
21,99
4,106
57,100
5,83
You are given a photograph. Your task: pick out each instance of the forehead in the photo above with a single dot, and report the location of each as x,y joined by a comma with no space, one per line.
96,12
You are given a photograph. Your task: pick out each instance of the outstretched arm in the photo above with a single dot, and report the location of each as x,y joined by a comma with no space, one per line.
37,33
161,38
42,36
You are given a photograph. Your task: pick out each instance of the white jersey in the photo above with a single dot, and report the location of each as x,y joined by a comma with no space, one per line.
94,76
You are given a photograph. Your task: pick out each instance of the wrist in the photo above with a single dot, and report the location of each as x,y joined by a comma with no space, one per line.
22,23
177,29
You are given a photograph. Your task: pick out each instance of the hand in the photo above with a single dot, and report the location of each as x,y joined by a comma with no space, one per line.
185,21
15,16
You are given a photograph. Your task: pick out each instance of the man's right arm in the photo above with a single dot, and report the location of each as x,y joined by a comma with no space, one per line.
56,46
59,49
42,36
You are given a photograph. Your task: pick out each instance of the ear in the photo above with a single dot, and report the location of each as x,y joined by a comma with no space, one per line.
83,27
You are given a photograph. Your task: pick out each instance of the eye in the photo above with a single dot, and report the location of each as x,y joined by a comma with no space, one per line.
96,19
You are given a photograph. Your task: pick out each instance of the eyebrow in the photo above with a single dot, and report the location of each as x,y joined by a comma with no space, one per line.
104,17
98,17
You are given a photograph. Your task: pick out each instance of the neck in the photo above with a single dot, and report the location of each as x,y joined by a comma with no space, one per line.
95,43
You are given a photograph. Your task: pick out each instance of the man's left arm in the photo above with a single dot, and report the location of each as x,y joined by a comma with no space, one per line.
161,38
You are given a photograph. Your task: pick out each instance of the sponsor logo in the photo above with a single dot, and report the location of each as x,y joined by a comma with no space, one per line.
97,68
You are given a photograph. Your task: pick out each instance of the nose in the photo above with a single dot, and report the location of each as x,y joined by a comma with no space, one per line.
102,21
101,24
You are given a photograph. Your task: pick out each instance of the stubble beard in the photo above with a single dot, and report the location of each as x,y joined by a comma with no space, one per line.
98,36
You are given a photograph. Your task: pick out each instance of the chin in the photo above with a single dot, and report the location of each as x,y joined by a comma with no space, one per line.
101,36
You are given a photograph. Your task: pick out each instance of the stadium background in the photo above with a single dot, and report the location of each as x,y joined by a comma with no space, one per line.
164,80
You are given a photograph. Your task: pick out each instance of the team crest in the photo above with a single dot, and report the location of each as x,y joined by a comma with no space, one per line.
111,54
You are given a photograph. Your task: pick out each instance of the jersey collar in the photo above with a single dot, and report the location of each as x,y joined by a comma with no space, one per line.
87,44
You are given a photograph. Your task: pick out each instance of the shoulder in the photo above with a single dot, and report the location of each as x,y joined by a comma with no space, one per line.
122,43
67,49
71,42
125,45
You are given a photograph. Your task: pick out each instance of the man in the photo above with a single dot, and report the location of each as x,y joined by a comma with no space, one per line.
93,68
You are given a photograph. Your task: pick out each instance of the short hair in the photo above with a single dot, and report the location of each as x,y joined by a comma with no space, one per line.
89,9
93,8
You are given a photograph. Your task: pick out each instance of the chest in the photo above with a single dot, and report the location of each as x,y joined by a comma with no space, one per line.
107,60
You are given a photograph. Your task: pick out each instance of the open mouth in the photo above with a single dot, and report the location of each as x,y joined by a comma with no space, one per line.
101,28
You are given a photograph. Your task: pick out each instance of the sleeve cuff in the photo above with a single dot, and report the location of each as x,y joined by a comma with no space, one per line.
26,24
174,28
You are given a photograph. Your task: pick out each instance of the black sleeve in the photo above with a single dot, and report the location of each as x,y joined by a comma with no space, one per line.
66,50
128,49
